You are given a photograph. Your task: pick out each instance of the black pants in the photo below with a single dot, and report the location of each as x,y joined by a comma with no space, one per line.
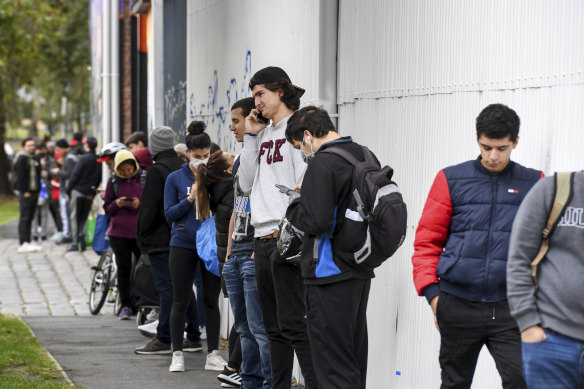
27,207
337,329
183,263
280,289
54,209
235,357
465,326
124,248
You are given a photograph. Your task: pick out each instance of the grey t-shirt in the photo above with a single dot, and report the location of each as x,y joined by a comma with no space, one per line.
558,304
243,231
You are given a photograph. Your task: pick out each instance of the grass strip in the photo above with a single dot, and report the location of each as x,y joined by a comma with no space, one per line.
24,363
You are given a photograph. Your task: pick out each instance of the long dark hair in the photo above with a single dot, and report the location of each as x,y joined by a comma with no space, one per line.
215,170
197,138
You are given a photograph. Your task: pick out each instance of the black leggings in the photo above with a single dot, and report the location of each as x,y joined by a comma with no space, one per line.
123,249
235,357
183,263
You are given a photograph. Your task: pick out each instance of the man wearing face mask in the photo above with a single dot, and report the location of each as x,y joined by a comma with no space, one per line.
268,160
337,289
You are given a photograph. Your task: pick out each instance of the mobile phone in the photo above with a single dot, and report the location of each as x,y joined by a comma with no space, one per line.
129,199
282,188
261,118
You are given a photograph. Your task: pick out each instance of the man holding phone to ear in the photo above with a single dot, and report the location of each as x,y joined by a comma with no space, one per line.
268,159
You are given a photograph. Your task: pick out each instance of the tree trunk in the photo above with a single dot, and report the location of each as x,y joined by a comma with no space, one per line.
5,188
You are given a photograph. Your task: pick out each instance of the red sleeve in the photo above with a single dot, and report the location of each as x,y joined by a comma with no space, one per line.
432,233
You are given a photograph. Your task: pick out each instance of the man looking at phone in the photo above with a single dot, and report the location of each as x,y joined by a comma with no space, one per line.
337,288
266,160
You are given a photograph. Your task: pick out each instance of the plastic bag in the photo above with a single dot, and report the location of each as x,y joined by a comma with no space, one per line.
100,238
207,245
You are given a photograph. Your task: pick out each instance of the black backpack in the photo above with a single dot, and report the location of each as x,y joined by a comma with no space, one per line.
377,214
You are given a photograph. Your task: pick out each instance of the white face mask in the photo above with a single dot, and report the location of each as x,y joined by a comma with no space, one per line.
307,157
195,162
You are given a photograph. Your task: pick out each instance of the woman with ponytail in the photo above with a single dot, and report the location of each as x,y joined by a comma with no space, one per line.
180,209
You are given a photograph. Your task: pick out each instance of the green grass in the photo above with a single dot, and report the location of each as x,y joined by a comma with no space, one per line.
8,210
23,360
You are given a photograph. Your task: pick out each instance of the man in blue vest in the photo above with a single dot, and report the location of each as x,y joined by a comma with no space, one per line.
461,248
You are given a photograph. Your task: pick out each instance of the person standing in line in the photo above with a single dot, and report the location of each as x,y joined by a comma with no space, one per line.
267,160
62,172
137,143
81,189
154,233
40,221
28,184
181,210
551,317
460,252
240,278
337,288
121,202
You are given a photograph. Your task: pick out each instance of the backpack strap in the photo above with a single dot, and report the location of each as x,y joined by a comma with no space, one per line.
563,194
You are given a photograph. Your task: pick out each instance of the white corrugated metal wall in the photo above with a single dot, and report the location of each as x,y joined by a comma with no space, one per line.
412,77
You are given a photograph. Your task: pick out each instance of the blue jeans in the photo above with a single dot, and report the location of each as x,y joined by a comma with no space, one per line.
239,276
557,362
163,285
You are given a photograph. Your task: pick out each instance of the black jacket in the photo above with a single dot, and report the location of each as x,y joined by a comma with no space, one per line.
320,213
86,175
221,194
153,228
23,173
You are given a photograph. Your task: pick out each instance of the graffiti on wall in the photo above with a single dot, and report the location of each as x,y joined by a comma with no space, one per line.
215,108
174,108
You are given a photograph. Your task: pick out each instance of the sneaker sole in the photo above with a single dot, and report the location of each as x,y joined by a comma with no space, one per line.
213,367
161,352
147,334
225,385
228,380
176,369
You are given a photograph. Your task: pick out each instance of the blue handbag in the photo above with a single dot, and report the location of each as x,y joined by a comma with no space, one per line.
100,239
207,245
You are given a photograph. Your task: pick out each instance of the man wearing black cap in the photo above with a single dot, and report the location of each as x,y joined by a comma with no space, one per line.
268,160
81,185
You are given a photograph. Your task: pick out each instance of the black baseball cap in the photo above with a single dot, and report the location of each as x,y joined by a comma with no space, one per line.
272,74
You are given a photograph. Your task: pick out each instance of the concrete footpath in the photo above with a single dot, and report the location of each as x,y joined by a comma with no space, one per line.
49,291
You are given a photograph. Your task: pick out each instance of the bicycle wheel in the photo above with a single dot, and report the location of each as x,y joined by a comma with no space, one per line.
100,282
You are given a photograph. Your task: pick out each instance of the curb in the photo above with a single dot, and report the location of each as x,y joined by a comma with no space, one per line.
59,367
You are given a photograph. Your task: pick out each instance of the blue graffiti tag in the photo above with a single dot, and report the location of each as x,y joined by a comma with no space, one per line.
214,113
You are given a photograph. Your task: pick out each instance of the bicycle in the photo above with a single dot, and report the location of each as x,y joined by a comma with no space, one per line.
104,285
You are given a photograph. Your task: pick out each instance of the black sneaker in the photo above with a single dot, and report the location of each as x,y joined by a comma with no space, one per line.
154,347
192,347
230,377
65,240
73,248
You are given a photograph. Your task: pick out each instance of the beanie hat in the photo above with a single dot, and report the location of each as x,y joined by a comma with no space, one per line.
162,138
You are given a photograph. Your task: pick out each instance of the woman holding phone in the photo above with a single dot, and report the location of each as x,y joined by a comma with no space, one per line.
121,202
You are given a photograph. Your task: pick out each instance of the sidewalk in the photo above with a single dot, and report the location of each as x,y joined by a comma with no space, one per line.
49,290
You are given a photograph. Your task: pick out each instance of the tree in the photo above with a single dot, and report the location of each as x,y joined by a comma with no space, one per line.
44,46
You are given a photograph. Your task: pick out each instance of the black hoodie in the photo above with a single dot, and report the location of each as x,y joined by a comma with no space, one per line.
153,228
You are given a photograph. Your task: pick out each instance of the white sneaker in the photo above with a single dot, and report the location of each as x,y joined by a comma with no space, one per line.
215,361
27,248
178,362
203,332
35,247
149,329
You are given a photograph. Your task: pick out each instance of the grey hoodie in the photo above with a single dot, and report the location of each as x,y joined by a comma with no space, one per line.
559,304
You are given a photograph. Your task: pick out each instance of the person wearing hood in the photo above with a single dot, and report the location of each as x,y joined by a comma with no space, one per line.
122,201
